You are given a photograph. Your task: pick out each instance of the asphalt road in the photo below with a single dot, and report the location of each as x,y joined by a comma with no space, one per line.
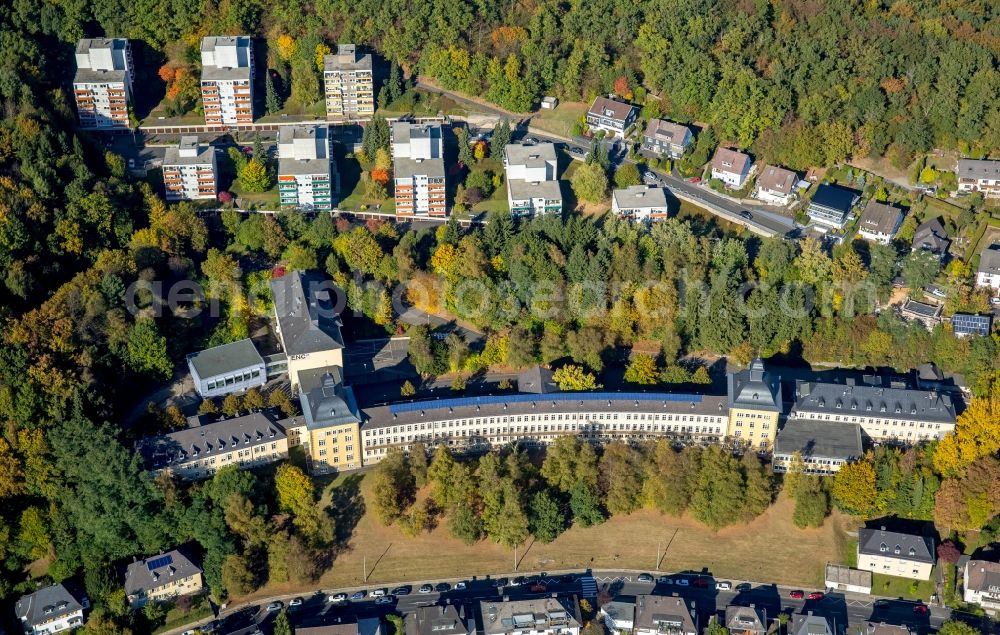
843,611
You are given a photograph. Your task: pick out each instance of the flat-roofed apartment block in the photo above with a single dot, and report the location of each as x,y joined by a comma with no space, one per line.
228,368
308,323
754,406
981,584
348,83
532,185
900,415
103,82
479,423
896,554
305,167
162,577
329,430
200,451
51,609
419,172
979,175
643,203
189,171
540,616
825,446
664,615
227,72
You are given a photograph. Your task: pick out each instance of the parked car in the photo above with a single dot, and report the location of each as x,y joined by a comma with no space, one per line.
358,595
920,609
402,590
339,598
645,577
538,587
442,587
385,599
294,602
460,586
683,582
518,581
743,586
664,579
723,586
274,606
425,588
377,593
796,595
695,179
815,595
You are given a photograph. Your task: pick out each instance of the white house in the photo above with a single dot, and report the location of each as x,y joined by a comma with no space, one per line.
896,554
619,616
611,116
51,609
640,203
879,222
979,176
988,274
776,185
532,187
981,583
731,167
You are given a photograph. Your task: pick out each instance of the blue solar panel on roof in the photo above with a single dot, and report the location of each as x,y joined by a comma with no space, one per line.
461,402
156,563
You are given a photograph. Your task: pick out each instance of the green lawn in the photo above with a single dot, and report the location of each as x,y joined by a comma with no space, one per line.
561,120
176,617
891,586
265,200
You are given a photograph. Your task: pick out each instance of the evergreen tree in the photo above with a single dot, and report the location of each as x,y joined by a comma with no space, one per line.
272,102
546,520
375,136
500,139
585,505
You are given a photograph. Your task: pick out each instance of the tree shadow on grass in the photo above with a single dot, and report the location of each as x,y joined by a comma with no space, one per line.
347,506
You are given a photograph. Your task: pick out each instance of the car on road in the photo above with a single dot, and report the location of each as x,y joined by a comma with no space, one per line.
664,579
695,179
723,586
294,602
518,581
377,593
645,577
815,595
460,586
425,588
385,599
500,582
274,606
442,587
358,595
747,215
683,582
796,595
131,164
402,590
532,139
339,598
649,178
743,586
920,609
538,587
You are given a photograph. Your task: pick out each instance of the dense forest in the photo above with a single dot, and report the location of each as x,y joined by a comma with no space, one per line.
77,232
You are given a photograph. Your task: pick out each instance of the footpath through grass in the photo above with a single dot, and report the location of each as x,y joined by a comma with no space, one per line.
770,549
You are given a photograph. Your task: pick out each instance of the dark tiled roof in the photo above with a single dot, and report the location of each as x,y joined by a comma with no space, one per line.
619,110
155,571
978,169
438,620
49,603
536,380
653,610
869,401
809,624
879,542
666,131
306,306
227,358
825,439
740,619
777,179
879,218
989,261
921,309
983,575
325,400
833,197
211,439
726,160
755,388
931,236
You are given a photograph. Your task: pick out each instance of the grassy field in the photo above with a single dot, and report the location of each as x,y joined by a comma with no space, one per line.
624,542
560,121
891,586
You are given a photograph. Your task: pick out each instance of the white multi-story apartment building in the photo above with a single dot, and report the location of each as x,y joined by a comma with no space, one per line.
103,82
981,584
51,609
348,84
532,186
896,554
641,203
190,171
900,415
988,273
305,169
419,173
227,71
979,176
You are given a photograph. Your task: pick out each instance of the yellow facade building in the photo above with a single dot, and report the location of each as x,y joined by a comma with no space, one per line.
162,577
330,428
307,315
755,406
